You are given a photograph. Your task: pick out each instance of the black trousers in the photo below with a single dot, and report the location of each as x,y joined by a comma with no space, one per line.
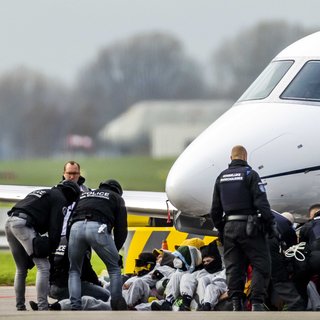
280,279
239,252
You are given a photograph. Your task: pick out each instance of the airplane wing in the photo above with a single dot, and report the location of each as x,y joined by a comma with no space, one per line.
149,204
152,204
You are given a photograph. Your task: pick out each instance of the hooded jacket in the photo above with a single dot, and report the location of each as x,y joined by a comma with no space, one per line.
190,257
46,209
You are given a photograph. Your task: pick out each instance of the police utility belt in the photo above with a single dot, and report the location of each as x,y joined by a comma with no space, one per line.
91,216
24,216
237,217
254,224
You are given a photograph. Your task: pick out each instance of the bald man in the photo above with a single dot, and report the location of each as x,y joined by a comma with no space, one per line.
241,212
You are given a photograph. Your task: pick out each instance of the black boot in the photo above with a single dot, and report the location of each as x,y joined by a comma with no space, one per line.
119,304
33,305
55,306
166,306
205,307
237,304
186,302
155,306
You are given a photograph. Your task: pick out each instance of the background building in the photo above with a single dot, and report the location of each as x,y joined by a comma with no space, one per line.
161,128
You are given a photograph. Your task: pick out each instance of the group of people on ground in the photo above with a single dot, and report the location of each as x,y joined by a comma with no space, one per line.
250,270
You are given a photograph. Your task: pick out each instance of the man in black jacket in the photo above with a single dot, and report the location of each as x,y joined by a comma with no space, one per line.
39,212
309,269
59,261
240,211
98,213
71,172
281,267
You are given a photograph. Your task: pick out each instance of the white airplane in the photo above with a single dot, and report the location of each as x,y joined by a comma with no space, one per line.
276,119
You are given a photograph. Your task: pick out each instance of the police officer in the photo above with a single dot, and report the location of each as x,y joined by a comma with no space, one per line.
39,212
310,234
238,197
98,213
282,267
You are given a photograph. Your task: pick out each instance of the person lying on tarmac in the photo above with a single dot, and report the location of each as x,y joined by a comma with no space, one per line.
59,274
88,303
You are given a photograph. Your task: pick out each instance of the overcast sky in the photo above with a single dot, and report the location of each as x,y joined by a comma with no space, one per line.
58,37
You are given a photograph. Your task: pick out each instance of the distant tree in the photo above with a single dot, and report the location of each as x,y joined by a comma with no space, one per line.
31,114
144,67
240,60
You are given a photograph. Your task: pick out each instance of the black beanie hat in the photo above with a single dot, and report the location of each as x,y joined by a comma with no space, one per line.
211,250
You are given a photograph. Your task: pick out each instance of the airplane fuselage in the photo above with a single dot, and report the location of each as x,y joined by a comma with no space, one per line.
277,121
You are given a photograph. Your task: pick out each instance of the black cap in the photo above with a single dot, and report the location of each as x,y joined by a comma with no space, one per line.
111,184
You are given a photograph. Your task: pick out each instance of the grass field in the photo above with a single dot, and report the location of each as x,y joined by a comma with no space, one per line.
134,173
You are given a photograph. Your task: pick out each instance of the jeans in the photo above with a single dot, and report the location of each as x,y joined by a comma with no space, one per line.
82,235
20,238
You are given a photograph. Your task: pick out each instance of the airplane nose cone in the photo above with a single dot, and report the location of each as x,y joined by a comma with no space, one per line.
190,183
191,180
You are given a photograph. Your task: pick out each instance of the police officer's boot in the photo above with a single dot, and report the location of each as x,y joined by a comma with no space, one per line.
237,304
119,304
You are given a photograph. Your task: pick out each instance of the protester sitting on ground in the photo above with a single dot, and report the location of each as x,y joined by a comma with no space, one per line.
138,289
211,281
188,259
194,242
204,287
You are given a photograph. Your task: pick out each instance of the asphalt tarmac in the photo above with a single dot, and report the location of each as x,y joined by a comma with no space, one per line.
8,311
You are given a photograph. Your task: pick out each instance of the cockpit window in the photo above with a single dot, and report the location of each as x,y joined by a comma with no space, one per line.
267,80
306,84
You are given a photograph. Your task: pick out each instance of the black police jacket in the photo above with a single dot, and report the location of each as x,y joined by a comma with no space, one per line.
239,190
106,206
80,183
46,209
285,228
59,267
310,233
